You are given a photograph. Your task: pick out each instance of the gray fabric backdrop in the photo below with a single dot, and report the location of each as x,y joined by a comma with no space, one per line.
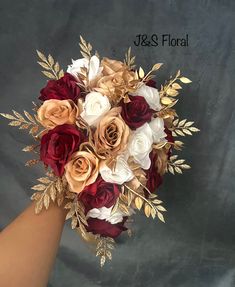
195,248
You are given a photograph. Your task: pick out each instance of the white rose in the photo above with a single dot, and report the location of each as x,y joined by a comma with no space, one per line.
151,96
95,106
140,145
93,67
157,126
105,213
121,173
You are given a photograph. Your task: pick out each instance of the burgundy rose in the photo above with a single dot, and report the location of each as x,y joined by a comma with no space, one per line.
63,89
169,136
136,112
99,194
154,179
170,139
105,228
58,145
151,83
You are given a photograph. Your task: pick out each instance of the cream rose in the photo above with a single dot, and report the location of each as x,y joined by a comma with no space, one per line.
112,133
57,112
105,213
157,126
81,170
140,145
119,174
93,67
151,96
94,107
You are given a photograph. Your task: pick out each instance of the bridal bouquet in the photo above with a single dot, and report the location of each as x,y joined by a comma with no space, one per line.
105,135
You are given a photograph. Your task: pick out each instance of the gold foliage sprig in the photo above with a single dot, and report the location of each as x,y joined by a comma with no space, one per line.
151,205
175,165
86,48
171,89
129,60
103,248
183,128
52,68
76,212
140,74
49,189
23,122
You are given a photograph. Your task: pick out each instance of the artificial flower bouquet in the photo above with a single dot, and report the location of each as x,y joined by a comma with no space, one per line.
105,135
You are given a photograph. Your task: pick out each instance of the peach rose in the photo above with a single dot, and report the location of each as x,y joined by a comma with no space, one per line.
81,170
111,66
116,80
57,112
112,134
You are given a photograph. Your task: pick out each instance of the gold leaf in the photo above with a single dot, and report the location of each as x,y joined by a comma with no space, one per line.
24,126
38,206
74,222
193,129
177,169
157,201
36,196
38,187
84,54
109,255
28,148
53,193
18,115
60,200
179,161
188,124
34,130
180,133
175,122
29,117
68,205
102,260
141,73
8,116
171,170
147,210
153,213
57,67
51,60
14,123
61,74
160,216
176,86
46,200
166,101
138,202
70,214
157,66
185,80
172,92
161,208
187,132
185,166
41,56
181,123
49,75
31,162
44,65
173,157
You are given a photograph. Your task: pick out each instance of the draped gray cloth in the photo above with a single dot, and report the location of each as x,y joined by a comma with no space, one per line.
196,246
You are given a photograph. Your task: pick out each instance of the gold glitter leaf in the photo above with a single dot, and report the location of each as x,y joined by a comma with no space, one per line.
185,80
